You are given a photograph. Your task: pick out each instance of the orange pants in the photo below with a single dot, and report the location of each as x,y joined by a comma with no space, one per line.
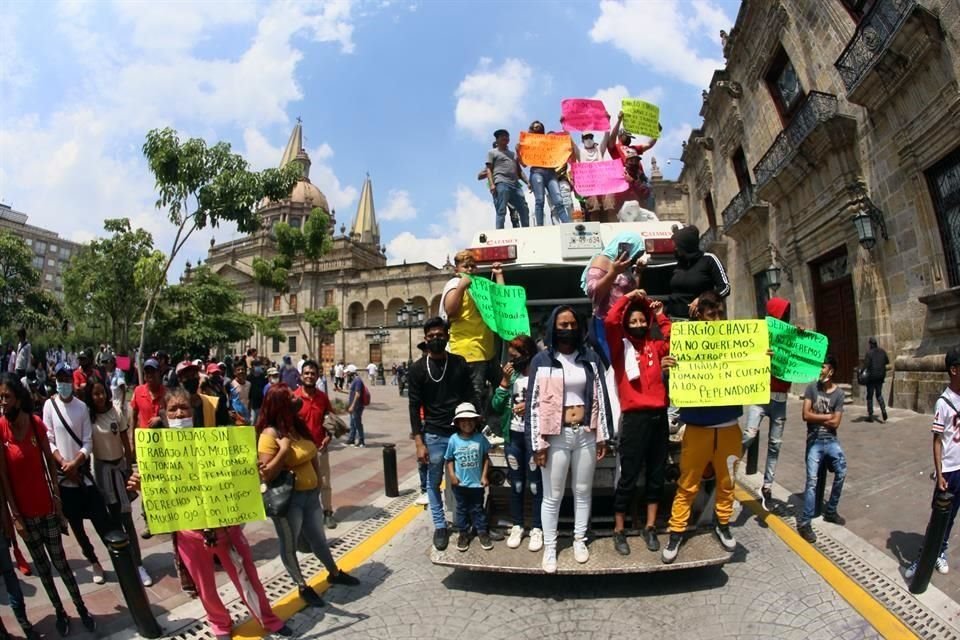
703,445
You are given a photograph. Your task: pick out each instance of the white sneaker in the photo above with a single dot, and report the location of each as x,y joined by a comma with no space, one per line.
549,563
942,566
145,578
422,500
98,577
580,552
516,535
536,540
911,570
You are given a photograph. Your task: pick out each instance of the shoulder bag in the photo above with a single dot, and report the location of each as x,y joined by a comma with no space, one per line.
279,491
85,467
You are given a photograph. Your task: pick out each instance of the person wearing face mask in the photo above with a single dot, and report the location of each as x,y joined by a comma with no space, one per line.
208,410
31,505
695,272
600,208
567,423
543,181
273,377
522,473
438,382
637,350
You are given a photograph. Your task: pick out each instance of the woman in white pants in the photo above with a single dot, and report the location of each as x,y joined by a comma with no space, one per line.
568,424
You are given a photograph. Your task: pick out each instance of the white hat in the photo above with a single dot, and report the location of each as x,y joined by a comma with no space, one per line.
465,410
351,368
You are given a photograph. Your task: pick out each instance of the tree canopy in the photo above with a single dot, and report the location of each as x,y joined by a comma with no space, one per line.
23,303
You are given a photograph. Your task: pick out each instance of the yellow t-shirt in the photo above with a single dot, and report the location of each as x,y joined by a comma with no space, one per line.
299,459
470,337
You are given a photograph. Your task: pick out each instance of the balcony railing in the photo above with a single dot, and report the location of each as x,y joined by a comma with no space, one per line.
738,207
708,238
871,39
817,107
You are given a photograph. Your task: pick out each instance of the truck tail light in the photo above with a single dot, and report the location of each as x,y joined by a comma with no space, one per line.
660,245
499,253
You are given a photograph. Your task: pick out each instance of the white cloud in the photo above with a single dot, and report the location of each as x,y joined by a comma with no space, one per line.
668,45
668,150
492,97
613,96
399,206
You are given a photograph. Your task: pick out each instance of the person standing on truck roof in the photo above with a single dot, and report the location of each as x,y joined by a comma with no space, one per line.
567,423
484,175
543,180
470,336
637,351
695,273
598,208
504,175
438,382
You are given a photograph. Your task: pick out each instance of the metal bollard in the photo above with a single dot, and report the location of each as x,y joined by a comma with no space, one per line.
118,544
753,455
821,488
932,540
391,488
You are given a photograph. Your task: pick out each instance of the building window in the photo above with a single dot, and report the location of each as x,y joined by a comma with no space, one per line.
51,262
65,253
740,169
295,222
858,8
48,277
944,181
276,303
37,262
40,248
53,248
292,344
711,210
328,298
276,345
29,242
784,85
293,302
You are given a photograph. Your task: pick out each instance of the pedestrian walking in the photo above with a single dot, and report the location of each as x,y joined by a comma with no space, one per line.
875,372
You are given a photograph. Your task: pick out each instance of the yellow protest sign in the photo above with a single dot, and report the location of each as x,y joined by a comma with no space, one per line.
720,363
641,118
199,478
549,150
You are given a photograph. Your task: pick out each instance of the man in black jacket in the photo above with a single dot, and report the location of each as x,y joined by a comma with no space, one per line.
437,383
696,272
875,362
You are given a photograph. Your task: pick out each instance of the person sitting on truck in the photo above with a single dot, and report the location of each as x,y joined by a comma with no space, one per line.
438,382
504,175
712,435
609,276
695,273
636,351
522,472
543,180
568,423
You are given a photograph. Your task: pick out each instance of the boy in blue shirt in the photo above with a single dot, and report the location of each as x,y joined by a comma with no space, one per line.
467,468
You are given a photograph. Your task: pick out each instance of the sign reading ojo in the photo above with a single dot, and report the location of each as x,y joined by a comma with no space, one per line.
199,478
720,363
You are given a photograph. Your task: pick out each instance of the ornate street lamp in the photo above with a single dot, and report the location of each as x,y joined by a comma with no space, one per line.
773,277
408,316
865,221
774,271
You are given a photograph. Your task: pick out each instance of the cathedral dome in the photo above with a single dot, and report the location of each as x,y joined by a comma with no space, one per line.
305,192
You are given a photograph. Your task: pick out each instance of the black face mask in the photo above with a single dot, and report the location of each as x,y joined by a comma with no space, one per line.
637,332
191,385
519,364
567,336
11,413
437,345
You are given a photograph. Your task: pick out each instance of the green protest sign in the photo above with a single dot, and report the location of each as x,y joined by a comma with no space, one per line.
641,118
797,355
502,307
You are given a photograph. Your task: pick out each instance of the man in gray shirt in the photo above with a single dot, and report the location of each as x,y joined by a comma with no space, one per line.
504,177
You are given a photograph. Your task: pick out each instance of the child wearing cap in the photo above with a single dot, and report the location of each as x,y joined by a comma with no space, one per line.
467,468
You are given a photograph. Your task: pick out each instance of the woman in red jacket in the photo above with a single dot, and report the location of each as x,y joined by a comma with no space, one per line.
636,352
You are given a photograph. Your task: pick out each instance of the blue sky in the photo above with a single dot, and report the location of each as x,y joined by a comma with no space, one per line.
409,91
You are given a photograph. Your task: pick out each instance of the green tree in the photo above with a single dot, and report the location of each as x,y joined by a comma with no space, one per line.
325,321
306,244
199,315
200,186
22,302
101,282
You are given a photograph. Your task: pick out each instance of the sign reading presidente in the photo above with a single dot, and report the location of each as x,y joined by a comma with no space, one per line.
502,307
720,363
199,478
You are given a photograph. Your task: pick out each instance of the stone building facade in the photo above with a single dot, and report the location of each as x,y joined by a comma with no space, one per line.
830,150
352,277
51,253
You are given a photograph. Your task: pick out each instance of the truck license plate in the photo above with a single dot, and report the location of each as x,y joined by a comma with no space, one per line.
590,240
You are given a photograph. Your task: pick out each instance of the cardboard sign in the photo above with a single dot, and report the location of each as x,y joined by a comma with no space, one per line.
598,178
549,150
641,118
582,114
797,355
200,478
720,363
123,363
502,307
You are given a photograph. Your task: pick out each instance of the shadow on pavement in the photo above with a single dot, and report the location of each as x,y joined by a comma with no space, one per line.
905,546
338,624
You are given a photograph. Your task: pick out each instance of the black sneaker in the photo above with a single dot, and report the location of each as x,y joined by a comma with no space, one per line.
145,534
835,518
669,553
343,578
727,541
311,597
884,413
62,623
285,631
766,499
496,536
620,543
88,622
485,542
441,538
650,536
463,542
870,418
806,532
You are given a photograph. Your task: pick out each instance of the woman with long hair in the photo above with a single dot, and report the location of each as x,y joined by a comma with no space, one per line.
284,444
34,501
544,182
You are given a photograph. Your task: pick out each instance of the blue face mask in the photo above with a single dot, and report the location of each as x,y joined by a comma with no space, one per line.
65,390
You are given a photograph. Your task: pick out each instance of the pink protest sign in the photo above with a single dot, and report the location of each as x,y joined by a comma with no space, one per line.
123,363
583,114
598,178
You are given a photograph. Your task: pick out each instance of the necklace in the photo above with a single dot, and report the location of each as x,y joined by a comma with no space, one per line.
442,373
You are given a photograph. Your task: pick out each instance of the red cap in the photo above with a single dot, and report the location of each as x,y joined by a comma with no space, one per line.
183,366
212,368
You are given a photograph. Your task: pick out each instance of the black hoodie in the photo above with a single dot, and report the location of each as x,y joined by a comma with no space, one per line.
695,273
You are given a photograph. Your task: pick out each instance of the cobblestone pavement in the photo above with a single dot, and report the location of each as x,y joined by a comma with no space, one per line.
765,592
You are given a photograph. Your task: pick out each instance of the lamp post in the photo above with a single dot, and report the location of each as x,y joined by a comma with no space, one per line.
407,316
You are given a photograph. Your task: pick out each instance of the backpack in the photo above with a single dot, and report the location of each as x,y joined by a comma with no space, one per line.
365,397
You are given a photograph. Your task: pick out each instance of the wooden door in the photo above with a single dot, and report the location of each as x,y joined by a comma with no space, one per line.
376,353
835,310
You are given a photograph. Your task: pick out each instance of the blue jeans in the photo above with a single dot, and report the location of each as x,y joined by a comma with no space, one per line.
546,180
305,514
14,592
776,412
522,472
469,510
356,427
512,193
819,452
422,470
436,447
